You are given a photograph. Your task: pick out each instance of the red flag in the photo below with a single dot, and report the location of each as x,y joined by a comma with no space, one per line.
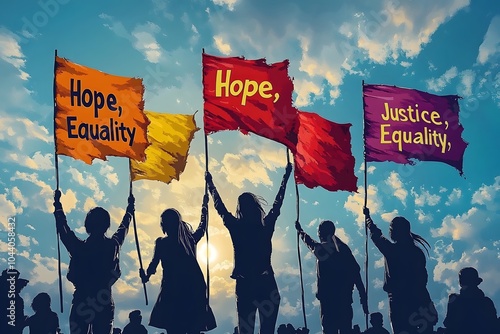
250,96
323,157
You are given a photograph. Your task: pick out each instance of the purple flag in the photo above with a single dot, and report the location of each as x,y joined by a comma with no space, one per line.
403,124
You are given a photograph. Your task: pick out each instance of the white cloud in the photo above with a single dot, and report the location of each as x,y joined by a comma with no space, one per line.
107,171
14,129
7,210
45,270
38,161
491,42
487,194
287,309
355,202
228,3
145,42
454,196
397,186
45,195
459,227
425,198
89,204
88,181
305,89
389,216
18,197
467,78
422,216
437,84
10,52
223,47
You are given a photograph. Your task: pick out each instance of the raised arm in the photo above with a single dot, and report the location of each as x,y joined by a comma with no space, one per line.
68,237
273,214
382,243
122,231
310,242
153,265
226,216
200,231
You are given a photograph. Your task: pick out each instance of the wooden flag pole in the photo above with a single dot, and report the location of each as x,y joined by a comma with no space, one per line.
365,204
298,245
136,236
206,229
56,164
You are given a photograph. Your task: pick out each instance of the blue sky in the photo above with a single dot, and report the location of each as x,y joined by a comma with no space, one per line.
442,47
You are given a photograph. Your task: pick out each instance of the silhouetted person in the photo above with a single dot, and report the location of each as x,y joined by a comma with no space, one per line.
93,268
251,232
117,331
377,322
337,273
356,329
411,309
182,305
135,326
44,321
12,304
470,311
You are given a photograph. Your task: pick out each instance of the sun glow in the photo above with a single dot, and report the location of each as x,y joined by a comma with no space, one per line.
201,252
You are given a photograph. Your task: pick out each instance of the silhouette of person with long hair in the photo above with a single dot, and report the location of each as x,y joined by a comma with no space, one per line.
337,273
377,322
411,309
44,321
12,303
93,268
135,326
251,232
470,311
182,305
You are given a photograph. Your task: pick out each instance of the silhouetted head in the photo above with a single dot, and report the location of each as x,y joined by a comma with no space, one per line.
376,319
117,331
469,277
170,220
326,230
97,221
250,206
41,302
399,229
135,316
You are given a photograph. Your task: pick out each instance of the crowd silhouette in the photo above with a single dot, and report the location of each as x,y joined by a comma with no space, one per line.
182,306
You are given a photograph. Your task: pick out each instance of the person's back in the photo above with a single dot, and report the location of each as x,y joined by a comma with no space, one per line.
470,311
135,326
43,322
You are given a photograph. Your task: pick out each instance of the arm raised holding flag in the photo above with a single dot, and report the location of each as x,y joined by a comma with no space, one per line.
251,232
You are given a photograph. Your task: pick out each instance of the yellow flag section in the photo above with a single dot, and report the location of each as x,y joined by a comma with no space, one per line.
98,114
170,136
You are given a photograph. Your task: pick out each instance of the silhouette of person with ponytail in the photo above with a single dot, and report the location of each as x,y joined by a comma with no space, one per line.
337,273
411,309
93,268
251,232
182,305
470,311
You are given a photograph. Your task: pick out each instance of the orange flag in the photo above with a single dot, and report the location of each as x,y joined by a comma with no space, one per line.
98,114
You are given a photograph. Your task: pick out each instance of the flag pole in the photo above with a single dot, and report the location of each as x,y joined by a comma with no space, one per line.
135,234
206,228
56,165
365,204
298,245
